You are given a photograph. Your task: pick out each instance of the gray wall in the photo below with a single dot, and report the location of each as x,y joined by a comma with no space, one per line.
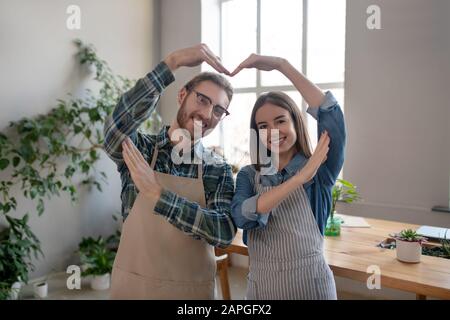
397,110
398,116
38,66
180,28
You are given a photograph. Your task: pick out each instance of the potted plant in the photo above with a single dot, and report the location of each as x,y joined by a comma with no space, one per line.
97,258
40,289
17,245
345,191
409,245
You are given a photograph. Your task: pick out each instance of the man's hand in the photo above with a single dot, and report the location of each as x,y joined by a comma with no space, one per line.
143,176
265,63
193,56
318,157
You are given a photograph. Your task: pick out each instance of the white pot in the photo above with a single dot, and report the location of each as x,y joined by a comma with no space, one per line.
40,289
15,290
408,251
100,282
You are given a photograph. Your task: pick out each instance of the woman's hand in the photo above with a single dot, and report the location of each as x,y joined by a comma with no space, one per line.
265,63
315,161
143,176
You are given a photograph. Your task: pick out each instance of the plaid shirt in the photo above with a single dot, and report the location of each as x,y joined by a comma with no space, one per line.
213,223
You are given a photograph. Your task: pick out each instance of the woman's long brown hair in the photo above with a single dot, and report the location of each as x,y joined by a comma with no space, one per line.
281,100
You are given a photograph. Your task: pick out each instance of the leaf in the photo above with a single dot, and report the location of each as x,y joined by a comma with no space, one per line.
346,183
94,115
6,207
93,154
40,207
99,187
77,129
16,161
4,163
69,172
84,167
33,193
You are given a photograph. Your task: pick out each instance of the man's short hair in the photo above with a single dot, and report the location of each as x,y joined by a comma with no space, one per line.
216,78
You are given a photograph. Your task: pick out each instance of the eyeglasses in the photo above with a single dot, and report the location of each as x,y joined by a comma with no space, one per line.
219,112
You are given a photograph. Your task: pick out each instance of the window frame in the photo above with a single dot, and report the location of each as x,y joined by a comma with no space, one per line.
259,88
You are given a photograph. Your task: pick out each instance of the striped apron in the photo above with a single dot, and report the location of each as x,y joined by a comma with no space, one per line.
286,256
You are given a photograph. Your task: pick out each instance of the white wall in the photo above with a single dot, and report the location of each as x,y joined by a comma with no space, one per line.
398,116
397,110
180,28
38,66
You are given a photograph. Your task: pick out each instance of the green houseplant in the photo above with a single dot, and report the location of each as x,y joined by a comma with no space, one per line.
42,154
408,245
345,191
17,246
97,259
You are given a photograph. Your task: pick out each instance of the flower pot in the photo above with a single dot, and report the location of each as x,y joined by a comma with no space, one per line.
333,227
101,282
40,289
15,290
408,251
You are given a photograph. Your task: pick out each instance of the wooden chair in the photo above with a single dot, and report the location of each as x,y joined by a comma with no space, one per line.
223,261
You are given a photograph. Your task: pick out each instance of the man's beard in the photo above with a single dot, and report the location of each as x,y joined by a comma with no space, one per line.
183,118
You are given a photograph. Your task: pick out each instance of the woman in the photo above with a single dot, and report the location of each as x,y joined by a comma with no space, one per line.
284,214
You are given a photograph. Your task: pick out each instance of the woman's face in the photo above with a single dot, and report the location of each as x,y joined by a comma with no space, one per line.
271,119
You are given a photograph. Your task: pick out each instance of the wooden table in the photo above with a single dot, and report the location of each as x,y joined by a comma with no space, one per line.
350,254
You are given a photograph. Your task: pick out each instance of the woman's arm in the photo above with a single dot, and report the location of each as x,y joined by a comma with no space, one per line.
270,199
251,210
243,206
312,94
325,109
314,97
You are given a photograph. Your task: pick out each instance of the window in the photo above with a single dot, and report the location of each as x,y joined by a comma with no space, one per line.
311,38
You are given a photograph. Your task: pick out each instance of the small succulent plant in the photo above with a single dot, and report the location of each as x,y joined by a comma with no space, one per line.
410,236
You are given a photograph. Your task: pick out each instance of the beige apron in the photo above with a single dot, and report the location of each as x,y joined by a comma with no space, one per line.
155,260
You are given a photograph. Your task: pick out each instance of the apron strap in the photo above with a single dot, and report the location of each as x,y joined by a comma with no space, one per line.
200,170
155,156
257,175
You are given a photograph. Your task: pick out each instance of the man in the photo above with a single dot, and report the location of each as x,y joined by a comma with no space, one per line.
175,212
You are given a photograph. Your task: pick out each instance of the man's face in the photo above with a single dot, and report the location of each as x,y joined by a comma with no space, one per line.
197,112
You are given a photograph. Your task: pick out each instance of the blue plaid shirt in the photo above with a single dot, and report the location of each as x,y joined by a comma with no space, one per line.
213,223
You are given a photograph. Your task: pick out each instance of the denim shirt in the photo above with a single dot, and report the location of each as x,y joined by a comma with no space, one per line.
330,118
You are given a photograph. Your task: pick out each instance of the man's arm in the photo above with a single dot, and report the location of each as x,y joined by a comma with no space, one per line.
134,107
137,104
213,223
